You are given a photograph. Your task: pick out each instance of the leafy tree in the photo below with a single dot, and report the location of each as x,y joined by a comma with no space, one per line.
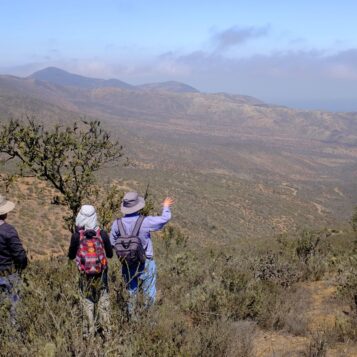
66,157
7,181
107,200
108,206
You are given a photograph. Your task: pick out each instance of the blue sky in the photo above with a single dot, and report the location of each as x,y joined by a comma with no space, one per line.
297,53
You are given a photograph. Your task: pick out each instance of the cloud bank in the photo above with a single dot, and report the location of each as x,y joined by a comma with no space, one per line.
305,78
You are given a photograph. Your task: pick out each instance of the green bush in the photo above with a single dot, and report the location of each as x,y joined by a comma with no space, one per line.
209,303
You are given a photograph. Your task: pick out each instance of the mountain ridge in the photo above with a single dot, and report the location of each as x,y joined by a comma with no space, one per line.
173,86
277,160
216,111
61,77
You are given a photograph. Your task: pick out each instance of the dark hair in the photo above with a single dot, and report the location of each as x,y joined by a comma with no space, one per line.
3,216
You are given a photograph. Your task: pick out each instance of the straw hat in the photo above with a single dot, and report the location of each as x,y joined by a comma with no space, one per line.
5,206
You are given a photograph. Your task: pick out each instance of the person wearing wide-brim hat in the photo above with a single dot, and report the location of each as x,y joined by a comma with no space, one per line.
13,257
145,272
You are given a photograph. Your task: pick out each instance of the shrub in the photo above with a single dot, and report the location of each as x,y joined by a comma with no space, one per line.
209,303
273,267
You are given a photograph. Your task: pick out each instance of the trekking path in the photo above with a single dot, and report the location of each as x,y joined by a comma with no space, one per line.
338,191
275,344
293,190
320,208
318,313
322,313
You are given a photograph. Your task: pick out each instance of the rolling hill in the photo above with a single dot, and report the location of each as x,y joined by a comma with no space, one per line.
171,86
235,164
58,76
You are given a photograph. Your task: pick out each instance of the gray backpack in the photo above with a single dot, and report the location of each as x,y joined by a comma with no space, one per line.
128,247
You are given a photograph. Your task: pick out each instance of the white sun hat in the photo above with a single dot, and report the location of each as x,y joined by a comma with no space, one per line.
87,218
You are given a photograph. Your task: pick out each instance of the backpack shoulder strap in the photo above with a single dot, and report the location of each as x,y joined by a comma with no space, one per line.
121,227
137,226
81,234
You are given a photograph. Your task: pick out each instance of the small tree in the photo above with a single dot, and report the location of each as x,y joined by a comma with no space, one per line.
66,157
109,206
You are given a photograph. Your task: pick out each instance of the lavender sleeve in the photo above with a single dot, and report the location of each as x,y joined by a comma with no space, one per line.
114,232
155,223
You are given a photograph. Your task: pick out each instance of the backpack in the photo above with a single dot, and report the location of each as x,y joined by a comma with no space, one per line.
128,247
91,258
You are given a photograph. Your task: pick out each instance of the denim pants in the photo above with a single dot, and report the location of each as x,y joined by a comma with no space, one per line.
9,293
143,277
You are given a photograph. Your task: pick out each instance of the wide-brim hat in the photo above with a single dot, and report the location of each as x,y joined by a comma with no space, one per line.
5,205
132,203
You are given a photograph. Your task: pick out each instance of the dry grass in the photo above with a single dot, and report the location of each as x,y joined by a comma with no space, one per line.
227,301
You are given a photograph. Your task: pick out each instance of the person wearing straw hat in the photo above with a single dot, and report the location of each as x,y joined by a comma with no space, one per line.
142,273
13,258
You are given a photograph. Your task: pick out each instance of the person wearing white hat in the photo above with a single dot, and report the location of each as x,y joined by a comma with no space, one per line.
13,258
88,242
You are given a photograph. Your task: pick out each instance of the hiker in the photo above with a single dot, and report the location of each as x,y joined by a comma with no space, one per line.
13,259
138,264
91,247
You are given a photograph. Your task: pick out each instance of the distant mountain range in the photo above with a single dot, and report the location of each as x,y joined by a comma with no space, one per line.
278,160
172,101
100,97
60,77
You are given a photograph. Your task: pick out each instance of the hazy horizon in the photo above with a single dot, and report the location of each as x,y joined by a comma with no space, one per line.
301,54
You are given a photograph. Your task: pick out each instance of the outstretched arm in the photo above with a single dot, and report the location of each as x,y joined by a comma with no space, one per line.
158,222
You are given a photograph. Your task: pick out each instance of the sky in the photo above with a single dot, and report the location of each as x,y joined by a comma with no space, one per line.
297,53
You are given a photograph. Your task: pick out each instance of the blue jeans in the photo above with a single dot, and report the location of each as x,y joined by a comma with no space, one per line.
141,276
9,286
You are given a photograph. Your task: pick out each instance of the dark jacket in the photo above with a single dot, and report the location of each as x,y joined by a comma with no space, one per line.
12,253
74,245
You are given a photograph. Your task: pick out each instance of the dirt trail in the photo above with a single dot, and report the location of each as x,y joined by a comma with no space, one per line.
292,189
320,208
339,192
264,189
273,344
321,314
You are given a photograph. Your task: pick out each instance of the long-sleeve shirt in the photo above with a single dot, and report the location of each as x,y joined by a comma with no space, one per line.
12,253
74,245
150,224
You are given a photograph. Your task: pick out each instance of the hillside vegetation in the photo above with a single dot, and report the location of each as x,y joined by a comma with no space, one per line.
285,168
288,295
295,299
260,259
